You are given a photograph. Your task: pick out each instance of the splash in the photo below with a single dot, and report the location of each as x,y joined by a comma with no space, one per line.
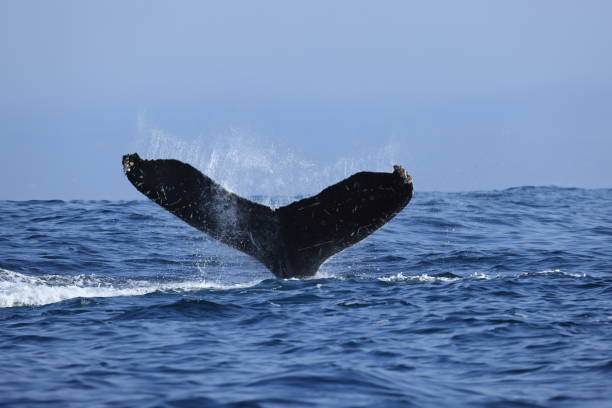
18,289
248,166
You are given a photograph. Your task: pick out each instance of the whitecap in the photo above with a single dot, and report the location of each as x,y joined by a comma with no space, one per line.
553,272
17,289
421,278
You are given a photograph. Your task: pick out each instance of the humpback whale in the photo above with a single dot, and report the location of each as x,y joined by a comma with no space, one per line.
291,241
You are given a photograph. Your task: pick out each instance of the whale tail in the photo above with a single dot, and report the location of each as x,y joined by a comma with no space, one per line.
291,241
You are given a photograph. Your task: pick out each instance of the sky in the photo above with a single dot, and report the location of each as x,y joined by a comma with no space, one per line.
286,97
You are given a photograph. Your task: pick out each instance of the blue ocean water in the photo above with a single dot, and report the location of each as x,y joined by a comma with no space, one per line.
482,299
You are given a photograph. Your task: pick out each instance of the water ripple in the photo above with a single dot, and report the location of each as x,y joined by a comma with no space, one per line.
490,299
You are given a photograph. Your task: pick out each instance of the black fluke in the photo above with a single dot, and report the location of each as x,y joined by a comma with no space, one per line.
292,241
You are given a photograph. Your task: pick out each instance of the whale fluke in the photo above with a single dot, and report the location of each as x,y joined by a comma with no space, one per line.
291,241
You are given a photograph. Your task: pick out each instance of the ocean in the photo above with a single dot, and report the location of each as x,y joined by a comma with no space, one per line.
477,299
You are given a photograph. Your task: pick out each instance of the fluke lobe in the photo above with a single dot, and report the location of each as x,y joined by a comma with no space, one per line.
292,241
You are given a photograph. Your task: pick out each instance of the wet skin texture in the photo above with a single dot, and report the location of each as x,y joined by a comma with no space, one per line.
291,241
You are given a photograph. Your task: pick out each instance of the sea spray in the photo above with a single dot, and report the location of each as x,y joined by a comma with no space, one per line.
252,167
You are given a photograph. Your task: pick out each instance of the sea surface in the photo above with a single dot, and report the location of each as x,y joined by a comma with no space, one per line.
480,299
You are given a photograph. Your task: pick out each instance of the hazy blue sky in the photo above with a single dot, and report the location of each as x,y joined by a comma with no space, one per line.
466,94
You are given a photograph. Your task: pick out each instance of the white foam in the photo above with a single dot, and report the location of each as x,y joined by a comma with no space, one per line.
553,272
18,289
479,275
428,278
421,278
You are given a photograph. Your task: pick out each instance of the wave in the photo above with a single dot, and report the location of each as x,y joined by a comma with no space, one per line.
17,289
